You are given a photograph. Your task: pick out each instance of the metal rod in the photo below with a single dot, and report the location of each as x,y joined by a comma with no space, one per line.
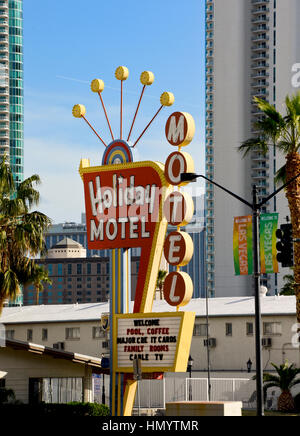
256,275
147,126
265,200
105,113
121,110
93,130
137,109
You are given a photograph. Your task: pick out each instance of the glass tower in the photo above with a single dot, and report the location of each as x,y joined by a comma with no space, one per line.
11,85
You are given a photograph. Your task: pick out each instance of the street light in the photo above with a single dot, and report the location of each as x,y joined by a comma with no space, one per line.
256,207
189,368
249,365
103,391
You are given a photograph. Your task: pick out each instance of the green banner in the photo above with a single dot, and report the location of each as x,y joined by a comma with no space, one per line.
243,245
267,243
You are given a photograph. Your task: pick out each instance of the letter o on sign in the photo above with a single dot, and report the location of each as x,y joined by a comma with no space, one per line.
178,248
178,288
180,128
179,208
176,164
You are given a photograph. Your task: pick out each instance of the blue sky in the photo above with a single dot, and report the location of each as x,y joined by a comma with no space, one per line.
69,43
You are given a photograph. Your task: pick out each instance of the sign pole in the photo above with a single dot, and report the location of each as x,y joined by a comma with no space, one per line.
119,304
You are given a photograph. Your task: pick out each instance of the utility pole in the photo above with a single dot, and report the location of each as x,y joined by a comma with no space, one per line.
256,208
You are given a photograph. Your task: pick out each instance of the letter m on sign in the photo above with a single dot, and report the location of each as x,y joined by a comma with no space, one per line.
176,132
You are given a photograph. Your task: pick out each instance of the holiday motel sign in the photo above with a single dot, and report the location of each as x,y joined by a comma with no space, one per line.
129,204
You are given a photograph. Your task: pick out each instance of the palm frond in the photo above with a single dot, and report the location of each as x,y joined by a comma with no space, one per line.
254,144
280,176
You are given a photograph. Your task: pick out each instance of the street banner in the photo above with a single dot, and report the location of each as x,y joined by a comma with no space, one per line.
267,242
242,245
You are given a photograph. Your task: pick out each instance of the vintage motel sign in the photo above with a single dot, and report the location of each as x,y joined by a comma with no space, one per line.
129,204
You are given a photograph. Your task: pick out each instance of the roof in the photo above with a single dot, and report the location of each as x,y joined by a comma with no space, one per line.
95,362
67,243
217,307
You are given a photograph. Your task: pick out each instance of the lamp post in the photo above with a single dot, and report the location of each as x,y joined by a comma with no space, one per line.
103,390
249,365
189,368
256,207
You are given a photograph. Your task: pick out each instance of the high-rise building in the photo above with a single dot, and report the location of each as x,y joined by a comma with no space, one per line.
11,85
252,49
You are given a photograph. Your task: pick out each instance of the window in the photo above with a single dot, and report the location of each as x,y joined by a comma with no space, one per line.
29,334
79,268
249,328
98,268
44,334
55,390
228,329
10,334
69,268
89,268
50,269
272,328
98,332
200,330
59,269
73,333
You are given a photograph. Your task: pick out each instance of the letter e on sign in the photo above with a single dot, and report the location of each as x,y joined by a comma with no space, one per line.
176,164
180,129
178,288
178,248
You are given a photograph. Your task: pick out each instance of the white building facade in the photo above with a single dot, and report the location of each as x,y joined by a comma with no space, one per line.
252,49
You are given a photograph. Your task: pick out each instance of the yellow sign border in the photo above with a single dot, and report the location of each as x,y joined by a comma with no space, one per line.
184,339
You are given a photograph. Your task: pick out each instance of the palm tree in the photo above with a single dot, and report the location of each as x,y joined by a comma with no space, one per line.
21,234
288,287
160,281
285,380
283,133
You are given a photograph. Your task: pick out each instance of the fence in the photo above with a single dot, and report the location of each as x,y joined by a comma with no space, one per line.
156,393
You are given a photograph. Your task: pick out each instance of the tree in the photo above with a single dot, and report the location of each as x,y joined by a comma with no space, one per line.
21,234
283,133
288,287
285,380
160,281
7,396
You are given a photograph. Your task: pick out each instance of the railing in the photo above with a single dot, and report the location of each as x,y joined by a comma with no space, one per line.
156,393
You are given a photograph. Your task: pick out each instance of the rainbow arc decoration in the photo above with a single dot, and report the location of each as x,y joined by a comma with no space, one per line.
129,204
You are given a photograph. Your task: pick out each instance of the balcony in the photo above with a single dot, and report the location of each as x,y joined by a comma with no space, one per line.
260,47
259,84
262,74
260,19
260,166
261,176
4,109
261,9
260,56
259,157
259,38
260,28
